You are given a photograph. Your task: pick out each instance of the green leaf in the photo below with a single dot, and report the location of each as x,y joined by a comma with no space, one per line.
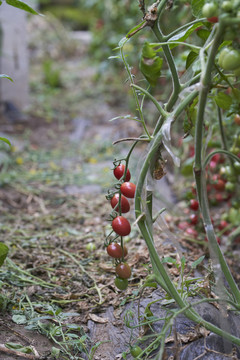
3,252
21,5
19,347
203,34
192,56
0,3
55,352
6,141
183,35
150,64
169,259
223,100
134,29
6,76
197,7
197,262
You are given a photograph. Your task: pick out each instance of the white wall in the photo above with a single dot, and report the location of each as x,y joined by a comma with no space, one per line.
14,56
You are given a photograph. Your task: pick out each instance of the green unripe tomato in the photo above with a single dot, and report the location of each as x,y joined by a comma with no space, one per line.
222,54
135,351
209,10
229,186
231,60
121,284
237,72
237,167
90,246
227,6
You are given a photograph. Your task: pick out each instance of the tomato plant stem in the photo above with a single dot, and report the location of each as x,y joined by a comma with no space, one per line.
198,170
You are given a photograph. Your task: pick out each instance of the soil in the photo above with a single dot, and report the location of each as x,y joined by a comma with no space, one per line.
53,204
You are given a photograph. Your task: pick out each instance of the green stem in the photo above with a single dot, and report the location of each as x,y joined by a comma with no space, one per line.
152,98
181,28
171,64
222,132
220,151
176,43
134,93
198,171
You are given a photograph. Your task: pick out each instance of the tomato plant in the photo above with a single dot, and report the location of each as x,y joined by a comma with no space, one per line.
128,189
200,110
120,283
124,204
123,270
121,226
119,172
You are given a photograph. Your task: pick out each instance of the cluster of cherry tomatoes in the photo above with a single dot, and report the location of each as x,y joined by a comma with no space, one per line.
119,202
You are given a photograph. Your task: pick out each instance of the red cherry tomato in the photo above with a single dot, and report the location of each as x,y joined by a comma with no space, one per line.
128,189
191,232
223,224
213,19
119,172
115,250
121,284
237,119
220,185
183,225
125,206
194,205
123,270
121,226
194,219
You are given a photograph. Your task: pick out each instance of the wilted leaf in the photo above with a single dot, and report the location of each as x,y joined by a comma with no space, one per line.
150,64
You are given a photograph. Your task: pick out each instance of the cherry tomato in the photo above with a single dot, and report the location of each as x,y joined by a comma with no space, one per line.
237,119
231,60
135,351
210,10
230,186
194,219
191,232
213,19
121,284
183,225
237,167
220,185
128,189
227,6
194,205
125,206
121,226
91,246
123,270
119,171
115,250
223,224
